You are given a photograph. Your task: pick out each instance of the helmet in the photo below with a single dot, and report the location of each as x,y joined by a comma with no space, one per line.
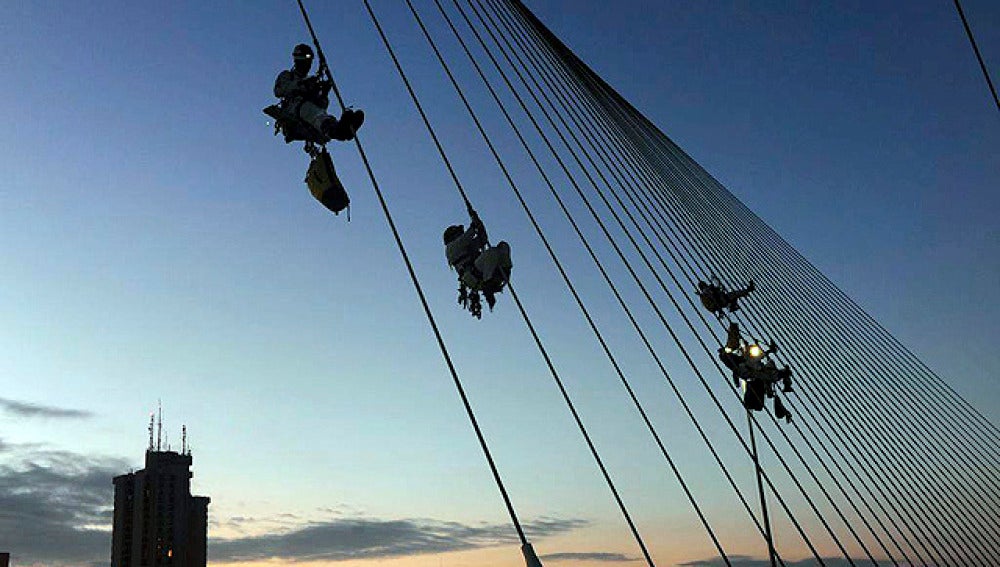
302,52
453,232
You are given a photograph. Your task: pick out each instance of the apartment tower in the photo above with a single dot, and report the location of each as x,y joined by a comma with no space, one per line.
157,522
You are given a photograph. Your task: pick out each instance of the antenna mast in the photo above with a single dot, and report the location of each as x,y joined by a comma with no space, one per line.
159,425
152,417
184,439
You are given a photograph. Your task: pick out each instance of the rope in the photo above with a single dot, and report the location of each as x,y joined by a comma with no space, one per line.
427,310
979,56
520,306
581,125
520,65
890,441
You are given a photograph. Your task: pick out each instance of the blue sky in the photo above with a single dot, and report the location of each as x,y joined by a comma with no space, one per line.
157,243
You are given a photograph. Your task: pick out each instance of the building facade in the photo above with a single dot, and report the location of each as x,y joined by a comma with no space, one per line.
157,522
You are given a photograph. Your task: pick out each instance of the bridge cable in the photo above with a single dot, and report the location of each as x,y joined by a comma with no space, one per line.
581,127
979,56
516,70
580,124
585,311
884,337
427,310
668,248
573,222
524,314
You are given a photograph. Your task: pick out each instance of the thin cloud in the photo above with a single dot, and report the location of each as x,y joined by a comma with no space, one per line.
747,561
592,556
56,509
360,538
26,409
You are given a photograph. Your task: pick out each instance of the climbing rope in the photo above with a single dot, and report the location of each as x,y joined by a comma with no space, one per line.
525,317
426,307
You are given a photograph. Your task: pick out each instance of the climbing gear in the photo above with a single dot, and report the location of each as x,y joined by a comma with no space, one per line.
321,176
287,122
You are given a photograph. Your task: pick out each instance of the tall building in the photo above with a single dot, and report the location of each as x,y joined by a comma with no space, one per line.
157,521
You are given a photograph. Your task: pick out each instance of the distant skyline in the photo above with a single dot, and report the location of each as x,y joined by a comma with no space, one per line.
158,243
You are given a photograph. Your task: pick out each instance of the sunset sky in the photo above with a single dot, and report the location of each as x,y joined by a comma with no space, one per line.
157,243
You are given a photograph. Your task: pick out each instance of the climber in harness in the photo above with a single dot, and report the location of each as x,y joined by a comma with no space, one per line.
752,366
716,299
481,268
301,116
759,379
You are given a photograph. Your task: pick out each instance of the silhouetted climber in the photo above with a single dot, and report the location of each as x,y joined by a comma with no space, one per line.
716,299
301,115
480,268
751,364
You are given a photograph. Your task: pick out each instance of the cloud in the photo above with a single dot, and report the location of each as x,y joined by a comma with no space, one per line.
362,538
592,556
56,510
55,507
26,409
747,561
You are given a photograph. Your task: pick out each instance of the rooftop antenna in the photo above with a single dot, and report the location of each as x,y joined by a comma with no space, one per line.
159,425
184,439
152,416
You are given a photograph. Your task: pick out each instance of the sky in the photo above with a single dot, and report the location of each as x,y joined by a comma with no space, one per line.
158,245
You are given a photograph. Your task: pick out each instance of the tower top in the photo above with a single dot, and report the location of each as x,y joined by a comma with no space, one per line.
160,442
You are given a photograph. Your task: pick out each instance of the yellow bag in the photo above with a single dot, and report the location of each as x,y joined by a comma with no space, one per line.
324,184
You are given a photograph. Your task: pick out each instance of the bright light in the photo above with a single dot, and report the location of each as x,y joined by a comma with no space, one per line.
755,351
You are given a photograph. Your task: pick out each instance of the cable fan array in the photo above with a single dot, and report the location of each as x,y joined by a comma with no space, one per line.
883,473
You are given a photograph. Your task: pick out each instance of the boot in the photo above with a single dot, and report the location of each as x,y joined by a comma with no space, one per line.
350,121
334,129
355,118
780,411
